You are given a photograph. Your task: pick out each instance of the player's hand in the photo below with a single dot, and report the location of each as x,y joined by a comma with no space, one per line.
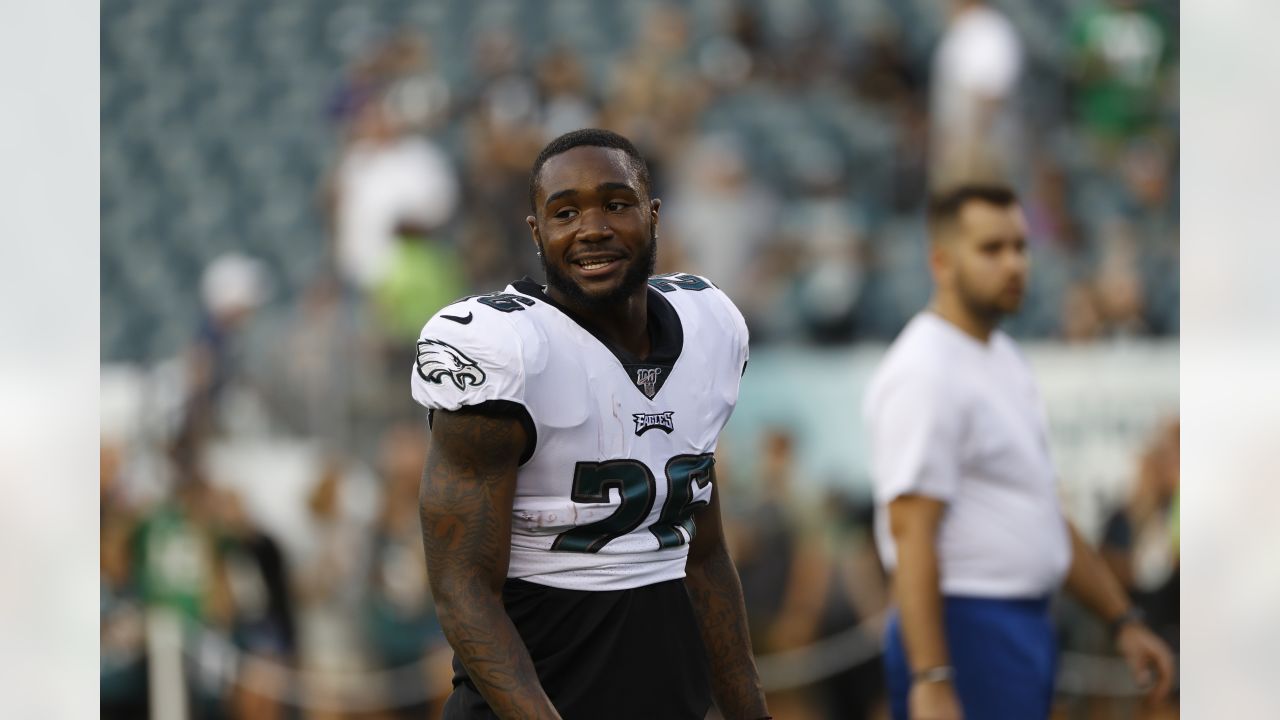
933,701
1149,659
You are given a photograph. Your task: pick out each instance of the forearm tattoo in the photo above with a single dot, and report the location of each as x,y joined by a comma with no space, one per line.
465,506
716,594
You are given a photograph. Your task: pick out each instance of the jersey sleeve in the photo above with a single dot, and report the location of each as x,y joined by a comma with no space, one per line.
915,425
467,354
737,326
742,337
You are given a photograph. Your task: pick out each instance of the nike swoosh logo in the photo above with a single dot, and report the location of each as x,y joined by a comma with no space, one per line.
455,318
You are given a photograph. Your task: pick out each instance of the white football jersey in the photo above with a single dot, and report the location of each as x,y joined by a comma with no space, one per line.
620,449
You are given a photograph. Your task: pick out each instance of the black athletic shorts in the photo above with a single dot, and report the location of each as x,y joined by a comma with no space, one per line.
616,655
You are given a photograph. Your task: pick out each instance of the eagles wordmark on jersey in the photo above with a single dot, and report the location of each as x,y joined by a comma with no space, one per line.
620,448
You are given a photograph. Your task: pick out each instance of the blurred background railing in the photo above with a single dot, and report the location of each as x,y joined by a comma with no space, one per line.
290,189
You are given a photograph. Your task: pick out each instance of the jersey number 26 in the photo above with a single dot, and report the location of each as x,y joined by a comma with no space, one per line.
635,483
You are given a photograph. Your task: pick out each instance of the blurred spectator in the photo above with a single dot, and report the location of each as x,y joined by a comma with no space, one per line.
177,555
1140,546
400,69
765,539
262,615
122,653
1149,183
910,162
1120,296
485,262
425,276
1140,538
502,136
331,578
882,74
1050,218
724,62
807,55
975,124
1080,321
778,560
722,220
318,363
1120,49
388,180
883,77
417,93
826,231
857,596
565,98
809,571
503,91
1144,168
232,287
746,30
112,494
401,617
655,96
392,195
257,580
181,571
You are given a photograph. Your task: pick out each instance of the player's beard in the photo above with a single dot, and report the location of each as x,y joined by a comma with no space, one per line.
638,272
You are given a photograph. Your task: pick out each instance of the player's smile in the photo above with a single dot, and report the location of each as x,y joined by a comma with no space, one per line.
598,265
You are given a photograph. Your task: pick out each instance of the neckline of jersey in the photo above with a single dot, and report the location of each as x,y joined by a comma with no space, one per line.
666,332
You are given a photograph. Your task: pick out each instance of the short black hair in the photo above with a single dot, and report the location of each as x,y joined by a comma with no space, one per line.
591,137
945,205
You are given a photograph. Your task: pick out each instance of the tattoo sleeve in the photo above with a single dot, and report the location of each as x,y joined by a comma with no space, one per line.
465,503
716,594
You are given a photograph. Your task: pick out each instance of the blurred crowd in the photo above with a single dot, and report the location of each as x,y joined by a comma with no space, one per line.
815,241
816,233
337,620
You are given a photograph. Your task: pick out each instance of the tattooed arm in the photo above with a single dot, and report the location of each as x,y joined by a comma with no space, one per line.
716,593
465,503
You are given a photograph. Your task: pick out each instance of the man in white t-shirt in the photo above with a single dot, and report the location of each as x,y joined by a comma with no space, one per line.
387,179
967,514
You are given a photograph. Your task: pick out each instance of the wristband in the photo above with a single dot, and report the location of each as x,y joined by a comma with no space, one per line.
1133,614
940,673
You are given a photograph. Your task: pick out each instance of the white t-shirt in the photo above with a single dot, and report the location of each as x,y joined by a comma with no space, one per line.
958,420
381,185
977,61
622,449
979,56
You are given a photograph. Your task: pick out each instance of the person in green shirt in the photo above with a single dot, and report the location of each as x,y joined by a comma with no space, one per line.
177,558
1120,49
425,275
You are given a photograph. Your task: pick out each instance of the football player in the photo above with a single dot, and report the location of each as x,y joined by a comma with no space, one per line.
570,509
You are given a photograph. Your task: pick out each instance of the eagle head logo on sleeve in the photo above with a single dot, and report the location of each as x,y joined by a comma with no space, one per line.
438,360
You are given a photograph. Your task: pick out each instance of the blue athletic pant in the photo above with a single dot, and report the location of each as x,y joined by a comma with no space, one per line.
1003,651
